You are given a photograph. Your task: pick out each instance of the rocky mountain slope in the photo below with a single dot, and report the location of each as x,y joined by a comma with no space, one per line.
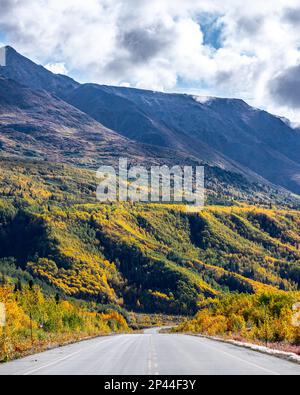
19,68
222,132
38,124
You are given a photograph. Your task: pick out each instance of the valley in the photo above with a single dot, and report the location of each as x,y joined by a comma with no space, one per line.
152,258
95,262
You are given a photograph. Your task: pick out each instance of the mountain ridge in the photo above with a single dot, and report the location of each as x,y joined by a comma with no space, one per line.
223,133
22,70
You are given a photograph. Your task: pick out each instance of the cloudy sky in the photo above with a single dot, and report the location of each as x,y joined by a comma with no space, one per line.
228,48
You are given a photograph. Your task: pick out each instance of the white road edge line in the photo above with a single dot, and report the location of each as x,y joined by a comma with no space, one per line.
240,359
51,364
58,361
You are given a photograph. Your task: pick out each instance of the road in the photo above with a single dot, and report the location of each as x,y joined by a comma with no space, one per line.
150,354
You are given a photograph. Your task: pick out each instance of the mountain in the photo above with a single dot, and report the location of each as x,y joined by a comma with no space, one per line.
26,72
223,132
36,124
39,125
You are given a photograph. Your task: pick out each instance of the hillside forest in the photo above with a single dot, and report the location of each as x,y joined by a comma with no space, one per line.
72,268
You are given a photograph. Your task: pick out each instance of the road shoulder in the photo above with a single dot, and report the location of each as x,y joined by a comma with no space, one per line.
291,357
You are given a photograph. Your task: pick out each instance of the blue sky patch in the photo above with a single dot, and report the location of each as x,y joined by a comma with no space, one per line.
212,29
2,37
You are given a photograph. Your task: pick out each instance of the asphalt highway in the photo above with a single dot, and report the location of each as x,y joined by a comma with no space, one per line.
150,354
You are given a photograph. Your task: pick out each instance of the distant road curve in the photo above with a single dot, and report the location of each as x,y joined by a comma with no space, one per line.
150,354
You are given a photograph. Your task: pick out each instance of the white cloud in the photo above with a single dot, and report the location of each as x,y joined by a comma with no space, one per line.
57,68
158,44
203,99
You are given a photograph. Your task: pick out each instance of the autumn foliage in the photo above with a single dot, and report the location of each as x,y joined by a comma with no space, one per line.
34,321
145,258
264,317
